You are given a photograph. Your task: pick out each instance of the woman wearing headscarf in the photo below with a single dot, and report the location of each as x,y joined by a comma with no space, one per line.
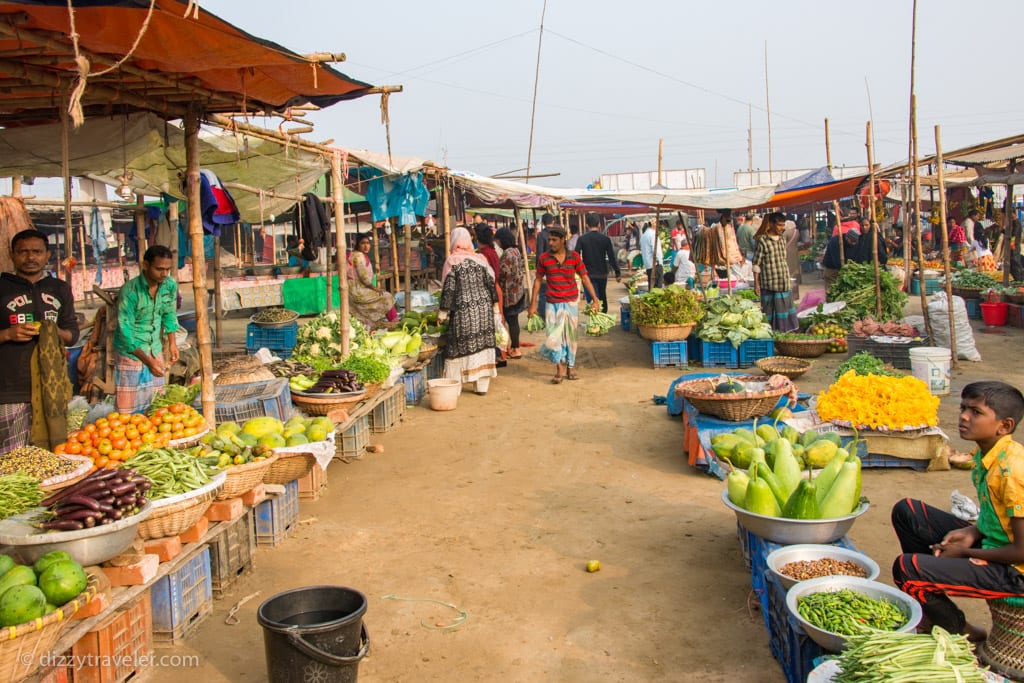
510,281
469,300
771,275
367,303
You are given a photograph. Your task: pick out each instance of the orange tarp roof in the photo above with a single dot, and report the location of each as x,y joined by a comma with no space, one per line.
817,193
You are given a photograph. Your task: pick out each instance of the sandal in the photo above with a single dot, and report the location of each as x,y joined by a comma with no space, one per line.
515,356
571,374
557,379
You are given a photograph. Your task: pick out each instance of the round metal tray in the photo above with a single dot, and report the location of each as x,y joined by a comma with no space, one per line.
810,552
86,546
276,323
790,531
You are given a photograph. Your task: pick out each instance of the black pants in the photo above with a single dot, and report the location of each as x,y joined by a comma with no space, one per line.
931,580
511,316
601,289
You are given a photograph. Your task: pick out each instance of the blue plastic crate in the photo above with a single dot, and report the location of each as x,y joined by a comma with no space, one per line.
277,516
182,599
625,318
973,308
240,402
693,348
669,354
415,386
788,642
719,355
930,286
436,367
274,338
880,461
755,349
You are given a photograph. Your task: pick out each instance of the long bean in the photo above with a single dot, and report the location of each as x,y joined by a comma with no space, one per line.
172,472
885,657
848,612
18,493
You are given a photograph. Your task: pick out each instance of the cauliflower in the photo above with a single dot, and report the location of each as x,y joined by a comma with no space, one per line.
325,333
314,349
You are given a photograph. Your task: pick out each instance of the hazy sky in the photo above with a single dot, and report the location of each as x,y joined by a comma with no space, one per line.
616,77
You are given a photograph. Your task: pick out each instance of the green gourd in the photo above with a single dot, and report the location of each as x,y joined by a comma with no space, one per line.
842,497
746,435
736,484
803,504
760,500
828,475
786,468
766,475
808,437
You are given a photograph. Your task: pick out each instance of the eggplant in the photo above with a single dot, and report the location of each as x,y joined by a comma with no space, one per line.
89,522
106,520
80,514
63,525
106,508
116,514
122,489
108,500
126,501
84,501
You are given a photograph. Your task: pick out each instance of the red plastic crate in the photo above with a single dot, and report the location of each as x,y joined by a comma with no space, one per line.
118,648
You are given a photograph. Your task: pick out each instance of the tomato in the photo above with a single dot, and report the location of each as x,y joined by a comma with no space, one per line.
137,418
177,435
169,418
178,408
112,465
118,442
131,433
148,437
90,452
164,428
135,445
89,427
190,431
115,423
177,426
104,447
101,423
74,448
117,433
104,432
116,455
102,461
59,449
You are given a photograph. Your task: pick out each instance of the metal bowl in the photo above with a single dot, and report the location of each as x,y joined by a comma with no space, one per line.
86,547
835,642
810,552
790,531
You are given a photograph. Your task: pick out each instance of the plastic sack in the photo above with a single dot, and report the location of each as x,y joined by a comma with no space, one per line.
502,338
938,312
812,299
421,300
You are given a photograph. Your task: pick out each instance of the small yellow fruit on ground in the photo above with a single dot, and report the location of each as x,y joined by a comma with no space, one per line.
593,566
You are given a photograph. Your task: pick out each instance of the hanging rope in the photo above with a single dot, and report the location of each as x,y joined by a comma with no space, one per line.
192,9
83,66
385,118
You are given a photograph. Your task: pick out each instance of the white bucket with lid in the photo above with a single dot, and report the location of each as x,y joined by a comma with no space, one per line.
930,364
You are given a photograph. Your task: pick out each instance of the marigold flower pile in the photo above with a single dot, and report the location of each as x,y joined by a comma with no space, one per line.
879,402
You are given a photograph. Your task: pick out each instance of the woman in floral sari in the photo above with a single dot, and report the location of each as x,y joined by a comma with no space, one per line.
367,303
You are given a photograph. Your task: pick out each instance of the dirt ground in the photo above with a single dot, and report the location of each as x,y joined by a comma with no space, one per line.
497,506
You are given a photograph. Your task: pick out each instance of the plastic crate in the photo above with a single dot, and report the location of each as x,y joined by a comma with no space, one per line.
882,461
719,355
415,386
973,308
386,415
930,286
240,402
313,484
625,319
277,516
355,439
669,354
118,647
897,355
231,554
788,642
182,599
1014,315
693,347
435,368
273,338
754,350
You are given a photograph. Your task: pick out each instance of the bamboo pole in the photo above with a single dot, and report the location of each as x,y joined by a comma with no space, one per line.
768,111
945,245
873,225
65,172
172,219
218,306
140,226
1008,227
407,270
337,185
904,193
76,203
86,290
446,220
917,218
835,202
195,232
394,256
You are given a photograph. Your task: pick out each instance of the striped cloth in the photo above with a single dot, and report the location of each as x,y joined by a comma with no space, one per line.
135,385
15,424
778,308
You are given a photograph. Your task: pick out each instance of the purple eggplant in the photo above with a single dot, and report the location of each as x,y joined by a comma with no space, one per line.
63,525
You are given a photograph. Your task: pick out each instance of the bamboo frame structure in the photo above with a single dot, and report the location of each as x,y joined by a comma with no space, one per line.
195,232
337,187
875,230
917,217
835,202
945,245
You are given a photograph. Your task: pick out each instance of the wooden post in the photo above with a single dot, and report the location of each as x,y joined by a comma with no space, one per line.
195,232
172,220
86,290
394,257
945,245
327,256
904,192
338,187
140,226
875,228
835,202
218,307
407,271
522,244
917,218
1008,231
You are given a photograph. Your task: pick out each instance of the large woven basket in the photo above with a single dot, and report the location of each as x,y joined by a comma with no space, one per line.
1014,298
783,365
242,478
24,646
1003,650
802,348
313,405
171,517
731,407
666,332
289,467
967,293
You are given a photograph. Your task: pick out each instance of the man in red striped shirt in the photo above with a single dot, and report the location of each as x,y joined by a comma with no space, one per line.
558,268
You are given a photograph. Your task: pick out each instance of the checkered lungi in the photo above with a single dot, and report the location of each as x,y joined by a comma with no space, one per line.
135,385
15,425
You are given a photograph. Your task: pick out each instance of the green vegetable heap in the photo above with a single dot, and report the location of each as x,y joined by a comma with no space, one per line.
733,319
856,286
665,306
18,493
172,472
171,394
848,612
971,279
887,657
368,369
864,363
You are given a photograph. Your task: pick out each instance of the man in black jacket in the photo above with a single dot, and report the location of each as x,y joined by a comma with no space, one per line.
28,297
597,251
863,253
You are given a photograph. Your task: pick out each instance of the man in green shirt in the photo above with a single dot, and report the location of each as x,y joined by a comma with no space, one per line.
146,319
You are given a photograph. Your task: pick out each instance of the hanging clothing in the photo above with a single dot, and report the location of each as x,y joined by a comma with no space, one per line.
98,237
315,226
51,389
217,206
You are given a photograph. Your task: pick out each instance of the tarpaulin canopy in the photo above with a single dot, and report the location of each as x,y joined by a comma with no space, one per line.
493,191
184,55
683,199
818,176
813,194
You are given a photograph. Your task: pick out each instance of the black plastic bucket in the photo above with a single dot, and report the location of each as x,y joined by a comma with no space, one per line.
314,634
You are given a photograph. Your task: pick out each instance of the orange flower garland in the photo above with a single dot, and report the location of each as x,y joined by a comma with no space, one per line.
892,403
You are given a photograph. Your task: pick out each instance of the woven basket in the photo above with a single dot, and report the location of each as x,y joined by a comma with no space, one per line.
666,332
288,468
1003,651
802,348
188,441
323,405
731,407
242,478
1014,298
783,365
967,293
24,646
178,516
427,352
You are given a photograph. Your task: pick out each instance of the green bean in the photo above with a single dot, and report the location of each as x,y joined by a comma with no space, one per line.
18,493
885,657
848,612
172,472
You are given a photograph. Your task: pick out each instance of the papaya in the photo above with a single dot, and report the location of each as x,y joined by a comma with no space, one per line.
736,484
833,437
49,558
20,604
62,581
803,504
786,468
820,452
18,575
841,498
790,434
6,564
746,435
767,432
808,437
760,500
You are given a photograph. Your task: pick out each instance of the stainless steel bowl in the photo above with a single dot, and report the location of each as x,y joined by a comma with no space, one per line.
809,552
834,642
86,547
789,531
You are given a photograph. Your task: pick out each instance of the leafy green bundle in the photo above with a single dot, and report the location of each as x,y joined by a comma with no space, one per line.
670,305
856,286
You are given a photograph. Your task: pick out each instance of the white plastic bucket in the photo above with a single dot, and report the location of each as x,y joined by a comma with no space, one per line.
444,393
930,364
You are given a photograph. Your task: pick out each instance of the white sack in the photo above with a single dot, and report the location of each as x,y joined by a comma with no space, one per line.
939,314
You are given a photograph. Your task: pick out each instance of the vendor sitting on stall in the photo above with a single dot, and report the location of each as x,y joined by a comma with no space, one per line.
369,303
944,555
